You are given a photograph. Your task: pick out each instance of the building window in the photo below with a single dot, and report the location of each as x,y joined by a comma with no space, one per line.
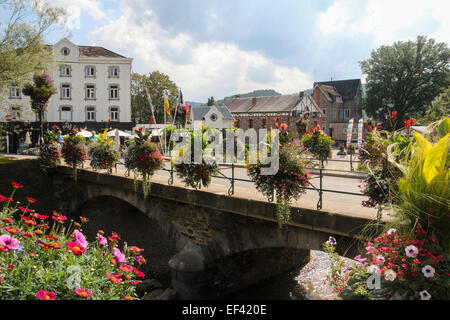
213,117
346,113
324,111
113,72
65,113
114,113
66,91
113,92
16,112
89,71
250,123
14,93
65,51
264,123
65,71
90,91
90,113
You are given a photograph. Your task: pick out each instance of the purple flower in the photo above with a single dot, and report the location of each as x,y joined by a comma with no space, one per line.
359,259
102,240
332,241
119,255
80,239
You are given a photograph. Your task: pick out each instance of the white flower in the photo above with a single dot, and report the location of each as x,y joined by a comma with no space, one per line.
390,275
411,251
391,231
424,295
379,259
373,269
428,271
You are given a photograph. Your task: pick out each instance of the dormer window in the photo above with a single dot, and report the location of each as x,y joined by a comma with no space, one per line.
213,117
65,51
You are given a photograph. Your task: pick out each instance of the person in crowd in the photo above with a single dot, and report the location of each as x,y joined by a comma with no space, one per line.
60,137
93,137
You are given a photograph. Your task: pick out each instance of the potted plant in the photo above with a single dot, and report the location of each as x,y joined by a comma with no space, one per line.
50,151
318,144
74,150
103,153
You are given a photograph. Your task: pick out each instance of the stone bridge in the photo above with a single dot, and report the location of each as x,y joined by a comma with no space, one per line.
214,244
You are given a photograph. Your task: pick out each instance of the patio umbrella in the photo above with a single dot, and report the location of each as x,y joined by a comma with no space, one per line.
27,138
84,133
112,133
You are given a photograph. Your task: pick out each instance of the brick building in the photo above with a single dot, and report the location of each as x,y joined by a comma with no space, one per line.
331,105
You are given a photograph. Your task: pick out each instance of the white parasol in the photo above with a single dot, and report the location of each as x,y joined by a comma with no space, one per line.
84,133
112,133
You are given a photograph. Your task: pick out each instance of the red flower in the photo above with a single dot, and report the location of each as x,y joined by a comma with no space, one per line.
46,295
369,128
407,123
11,266
16,185
75,248
153,119
394,115
140,128
139,273
31,200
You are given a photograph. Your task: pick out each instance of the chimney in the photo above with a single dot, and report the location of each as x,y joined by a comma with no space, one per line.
253,100
301,94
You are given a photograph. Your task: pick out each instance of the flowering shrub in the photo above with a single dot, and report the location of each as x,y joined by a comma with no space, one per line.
195,174
411,259
409,267
103,153
74,150
42,257
288,183
143,157
318,143
50,151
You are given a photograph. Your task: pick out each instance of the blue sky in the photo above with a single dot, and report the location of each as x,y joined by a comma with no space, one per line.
219,48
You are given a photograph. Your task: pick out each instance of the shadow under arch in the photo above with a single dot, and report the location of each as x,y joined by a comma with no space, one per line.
112,214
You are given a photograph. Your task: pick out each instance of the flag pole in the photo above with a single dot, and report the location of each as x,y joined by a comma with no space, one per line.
176,109
153,117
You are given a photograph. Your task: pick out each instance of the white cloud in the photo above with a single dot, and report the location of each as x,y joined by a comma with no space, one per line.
201,69
75,8
386,21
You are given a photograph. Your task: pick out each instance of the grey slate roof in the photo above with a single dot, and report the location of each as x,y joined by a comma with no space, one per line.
91,51
198,113
264,104
347,88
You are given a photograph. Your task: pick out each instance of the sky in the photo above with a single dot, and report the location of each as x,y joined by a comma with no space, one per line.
223,47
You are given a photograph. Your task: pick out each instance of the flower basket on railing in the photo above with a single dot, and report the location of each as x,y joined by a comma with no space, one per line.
74,150
318,144
287,184
50,151
103,153
194,174
143,157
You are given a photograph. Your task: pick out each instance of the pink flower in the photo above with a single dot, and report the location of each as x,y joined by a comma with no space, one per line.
102,240
115,278
46,295
80,239
126,268
84,293
119,255
9,242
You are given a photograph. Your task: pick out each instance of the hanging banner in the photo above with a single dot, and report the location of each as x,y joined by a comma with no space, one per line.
360,132
349,131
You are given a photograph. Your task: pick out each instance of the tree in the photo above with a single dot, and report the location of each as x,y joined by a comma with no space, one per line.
211,101
405,77
155,82
22,48
439,108
40,93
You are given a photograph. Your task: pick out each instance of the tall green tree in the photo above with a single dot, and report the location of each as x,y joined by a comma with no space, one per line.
23,24
405,77
156,82
439,108
211,101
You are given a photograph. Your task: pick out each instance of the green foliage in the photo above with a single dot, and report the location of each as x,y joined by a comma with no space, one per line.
50,151
439,109
407,75
301,127
74,150
211,102
23,52
156,82
318,144
195,174
46,253
40,91
287,184
103,153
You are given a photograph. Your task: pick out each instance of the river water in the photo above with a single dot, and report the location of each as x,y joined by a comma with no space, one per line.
306,282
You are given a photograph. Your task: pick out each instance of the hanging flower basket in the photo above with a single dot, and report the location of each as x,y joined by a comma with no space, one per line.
74,151
143,157
103,153
50,151
318,144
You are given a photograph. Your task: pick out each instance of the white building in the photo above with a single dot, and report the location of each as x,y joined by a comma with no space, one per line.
211,116
93,85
